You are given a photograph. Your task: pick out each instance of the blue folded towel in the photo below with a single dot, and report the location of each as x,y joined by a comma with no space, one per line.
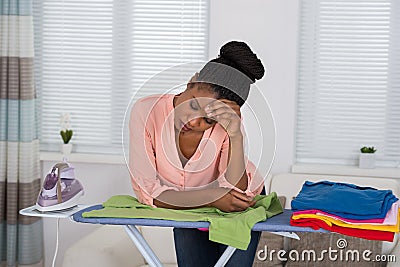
345,200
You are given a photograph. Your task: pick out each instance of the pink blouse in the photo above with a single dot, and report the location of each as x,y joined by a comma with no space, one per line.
154,162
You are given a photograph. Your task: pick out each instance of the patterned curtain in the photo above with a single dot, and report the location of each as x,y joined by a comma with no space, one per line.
21,237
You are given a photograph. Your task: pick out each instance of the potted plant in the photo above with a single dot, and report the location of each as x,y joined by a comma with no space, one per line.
367,157
66,134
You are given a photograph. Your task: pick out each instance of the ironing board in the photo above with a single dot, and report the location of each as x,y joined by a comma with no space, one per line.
278,223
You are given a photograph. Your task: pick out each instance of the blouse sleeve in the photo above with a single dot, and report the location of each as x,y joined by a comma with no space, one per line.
255,181
142,158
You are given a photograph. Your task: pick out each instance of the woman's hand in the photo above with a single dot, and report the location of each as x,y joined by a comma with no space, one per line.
227,113
233,201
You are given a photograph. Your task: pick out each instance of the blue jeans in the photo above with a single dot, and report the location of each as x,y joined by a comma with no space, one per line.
193,248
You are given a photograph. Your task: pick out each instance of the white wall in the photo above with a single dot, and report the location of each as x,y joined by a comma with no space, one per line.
270,28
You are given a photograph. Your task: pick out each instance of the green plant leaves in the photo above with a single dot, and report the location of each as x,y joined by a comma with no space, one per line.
66,135
365,149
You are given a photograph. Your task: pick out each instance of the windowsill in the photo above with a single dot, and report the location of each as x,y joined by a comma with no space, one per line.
345,170
83,158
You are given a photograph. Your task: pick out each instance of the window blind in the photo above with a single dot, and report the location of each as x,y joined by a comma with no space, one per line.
93,56
348,81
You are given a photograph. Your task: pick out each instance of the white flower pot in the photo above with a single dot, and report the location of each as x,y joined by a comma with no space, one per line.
66,149
367,161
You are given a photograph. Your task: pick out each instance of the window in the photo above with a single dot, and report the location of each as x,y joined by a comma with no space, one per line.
348,81
92,56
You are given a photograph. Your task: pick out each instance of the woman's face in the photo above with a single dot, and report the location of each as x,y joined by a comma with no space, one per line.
189,114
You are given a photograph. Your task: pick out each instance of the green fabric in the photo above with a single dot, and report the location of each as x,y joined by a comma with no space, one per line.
229,228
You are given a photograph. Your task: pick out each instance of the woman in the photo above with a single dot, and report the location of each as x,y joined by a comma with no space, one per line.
186,151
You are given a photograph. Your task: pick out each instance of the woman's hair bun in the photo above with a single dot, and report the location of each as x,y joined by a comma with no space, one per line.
240,54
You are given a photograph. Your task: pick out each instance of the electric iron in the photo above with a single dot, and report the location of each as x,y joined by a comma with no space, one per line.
60,189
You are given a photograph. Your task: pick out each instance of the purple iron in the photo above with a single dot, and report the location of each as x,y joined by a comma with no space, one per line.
60,189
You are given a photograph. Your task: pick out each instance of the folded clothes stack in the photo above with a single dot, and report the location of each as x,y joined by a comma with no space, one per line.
348,209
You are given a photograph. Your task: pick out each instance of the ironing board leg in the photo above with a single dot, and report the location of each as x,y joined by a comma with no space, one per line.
225,256
152,259
142,246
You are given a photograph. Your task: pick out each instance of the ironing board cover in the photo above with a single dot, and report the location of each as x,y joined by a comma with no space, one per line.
278,223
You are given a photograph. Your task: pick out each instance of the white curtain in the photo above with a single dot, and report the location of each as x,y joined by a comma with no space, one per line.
348,81
21,237
93,55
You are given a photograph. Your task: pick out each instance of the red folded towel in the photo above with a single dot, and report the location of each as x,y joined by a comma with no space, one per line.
367,234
